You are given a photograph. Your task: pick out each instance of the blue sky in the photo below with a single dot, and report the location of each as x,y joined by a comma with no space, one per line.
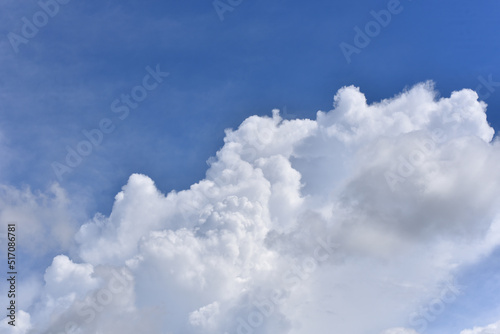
262,55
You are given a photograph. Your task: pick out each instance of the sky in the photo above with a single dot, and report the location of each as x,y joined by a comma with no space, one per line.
188,160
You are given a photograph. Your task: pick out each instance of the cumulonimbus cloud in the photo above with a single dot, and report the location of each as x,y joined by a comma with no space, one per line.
348,223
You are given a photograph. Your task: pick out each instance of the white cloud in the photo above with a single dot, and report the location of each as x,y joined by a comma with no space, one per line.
65,277
348,223
490,329
45,218
22,324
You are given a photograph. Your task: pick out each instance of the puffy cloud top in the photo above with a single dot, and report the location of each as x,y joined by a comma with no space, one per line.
347,223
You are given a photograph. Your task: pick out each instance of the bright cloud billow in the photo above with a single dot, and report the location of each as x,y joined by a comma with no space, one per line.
353,223
490,329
